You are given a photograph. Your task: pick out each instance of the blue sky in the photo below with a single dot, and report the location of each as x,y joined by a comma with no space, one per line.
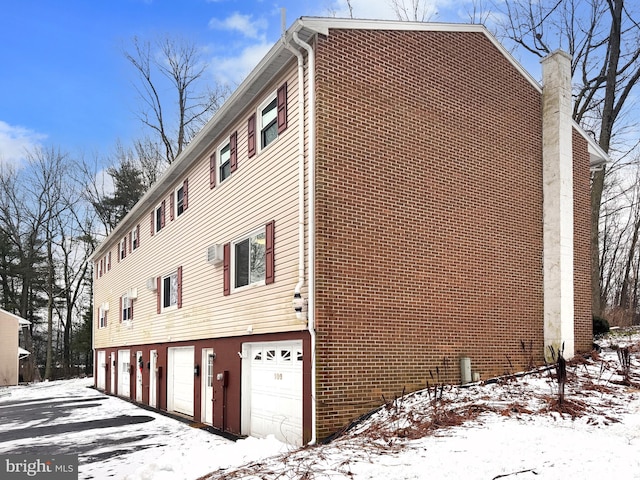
64,81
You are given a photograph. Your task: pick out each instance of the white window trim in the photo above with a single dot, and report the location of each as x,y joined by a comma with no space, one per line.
259,126
157,208
233,261
101,317
135,241
129,301
175,201
222,146
122,247
175,305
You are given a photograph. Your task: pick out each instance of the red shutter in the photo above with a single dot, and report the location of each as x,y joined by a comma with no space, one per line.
227,268
105,318
233,150
109,264
212,170
171,201
251,135
130,309
101,266
179,287
185,194
152,215
95,268
138,235
162,210
269,276
120,310
130,241
158,293
124,246
282,108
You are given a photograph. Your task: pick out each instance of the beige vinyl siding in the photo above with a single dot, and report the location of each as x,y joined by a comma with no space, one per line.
262,189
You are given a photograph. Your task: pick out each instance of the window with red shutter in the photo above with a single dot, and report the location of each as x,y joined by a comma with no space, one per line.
251,135
212,170
233,146
185,187
171,200
269,257
227,268
159,294
282,108
152,222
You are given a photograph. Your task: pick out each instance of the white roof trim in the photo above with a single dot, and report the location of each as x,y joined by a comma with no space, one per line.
21,321
23,353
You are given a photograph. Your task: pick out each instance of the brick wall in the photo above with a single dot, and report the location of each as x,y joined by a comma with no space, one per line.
429,219
581,239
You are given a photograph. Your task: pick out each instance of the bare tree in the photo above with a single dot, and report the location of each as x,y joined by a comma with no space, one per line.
412,10
178,65
603,37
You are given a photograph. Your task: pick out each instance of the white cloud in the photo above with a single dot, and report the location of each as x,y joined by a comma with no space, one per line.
232,70
243,24
15,141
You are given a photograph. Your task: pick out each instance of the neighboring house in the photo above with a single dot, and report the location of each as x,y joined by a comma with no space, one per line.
376,206
10,351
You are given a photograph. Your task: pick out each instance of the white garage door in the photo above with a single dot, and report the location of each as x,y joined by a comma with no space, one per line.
124,373
272,390
101,370
180,380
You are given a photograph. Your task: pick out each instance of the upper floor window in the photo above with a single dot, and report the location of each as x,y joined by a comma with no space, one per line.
224,168
126,310
122,248
157,218
249,260
179,200
102,317
267,121
271,119
135,237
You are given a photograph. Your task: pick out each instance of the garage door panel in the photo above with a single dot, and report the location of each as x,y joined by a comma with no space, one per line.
275,383
181,380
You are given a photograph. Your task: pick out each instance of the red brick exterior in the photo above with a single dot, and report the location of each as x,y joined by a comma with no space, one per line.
429,217
583,325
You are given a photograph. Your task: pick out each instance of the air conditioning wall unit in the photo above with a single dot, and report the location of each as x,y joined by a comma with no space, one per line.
132,293
105,306
215,254
152,284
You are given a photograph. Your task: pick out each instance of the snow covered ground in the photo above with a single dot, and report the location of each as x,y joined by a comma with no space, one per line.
513,428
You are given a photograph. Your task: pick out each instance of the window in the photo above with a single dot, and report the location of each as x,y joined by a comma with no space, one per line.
122,248
102,317
224,169
268,121
179,200
158,217
249,260
135,237
170,291
126,309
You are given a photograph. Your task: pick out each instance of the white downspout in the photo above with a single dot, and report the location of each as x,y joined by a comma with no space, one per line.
299,285
312,225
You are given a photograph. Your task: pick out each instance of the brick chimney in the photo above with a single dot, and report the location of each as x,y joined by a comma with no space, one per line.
557,175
